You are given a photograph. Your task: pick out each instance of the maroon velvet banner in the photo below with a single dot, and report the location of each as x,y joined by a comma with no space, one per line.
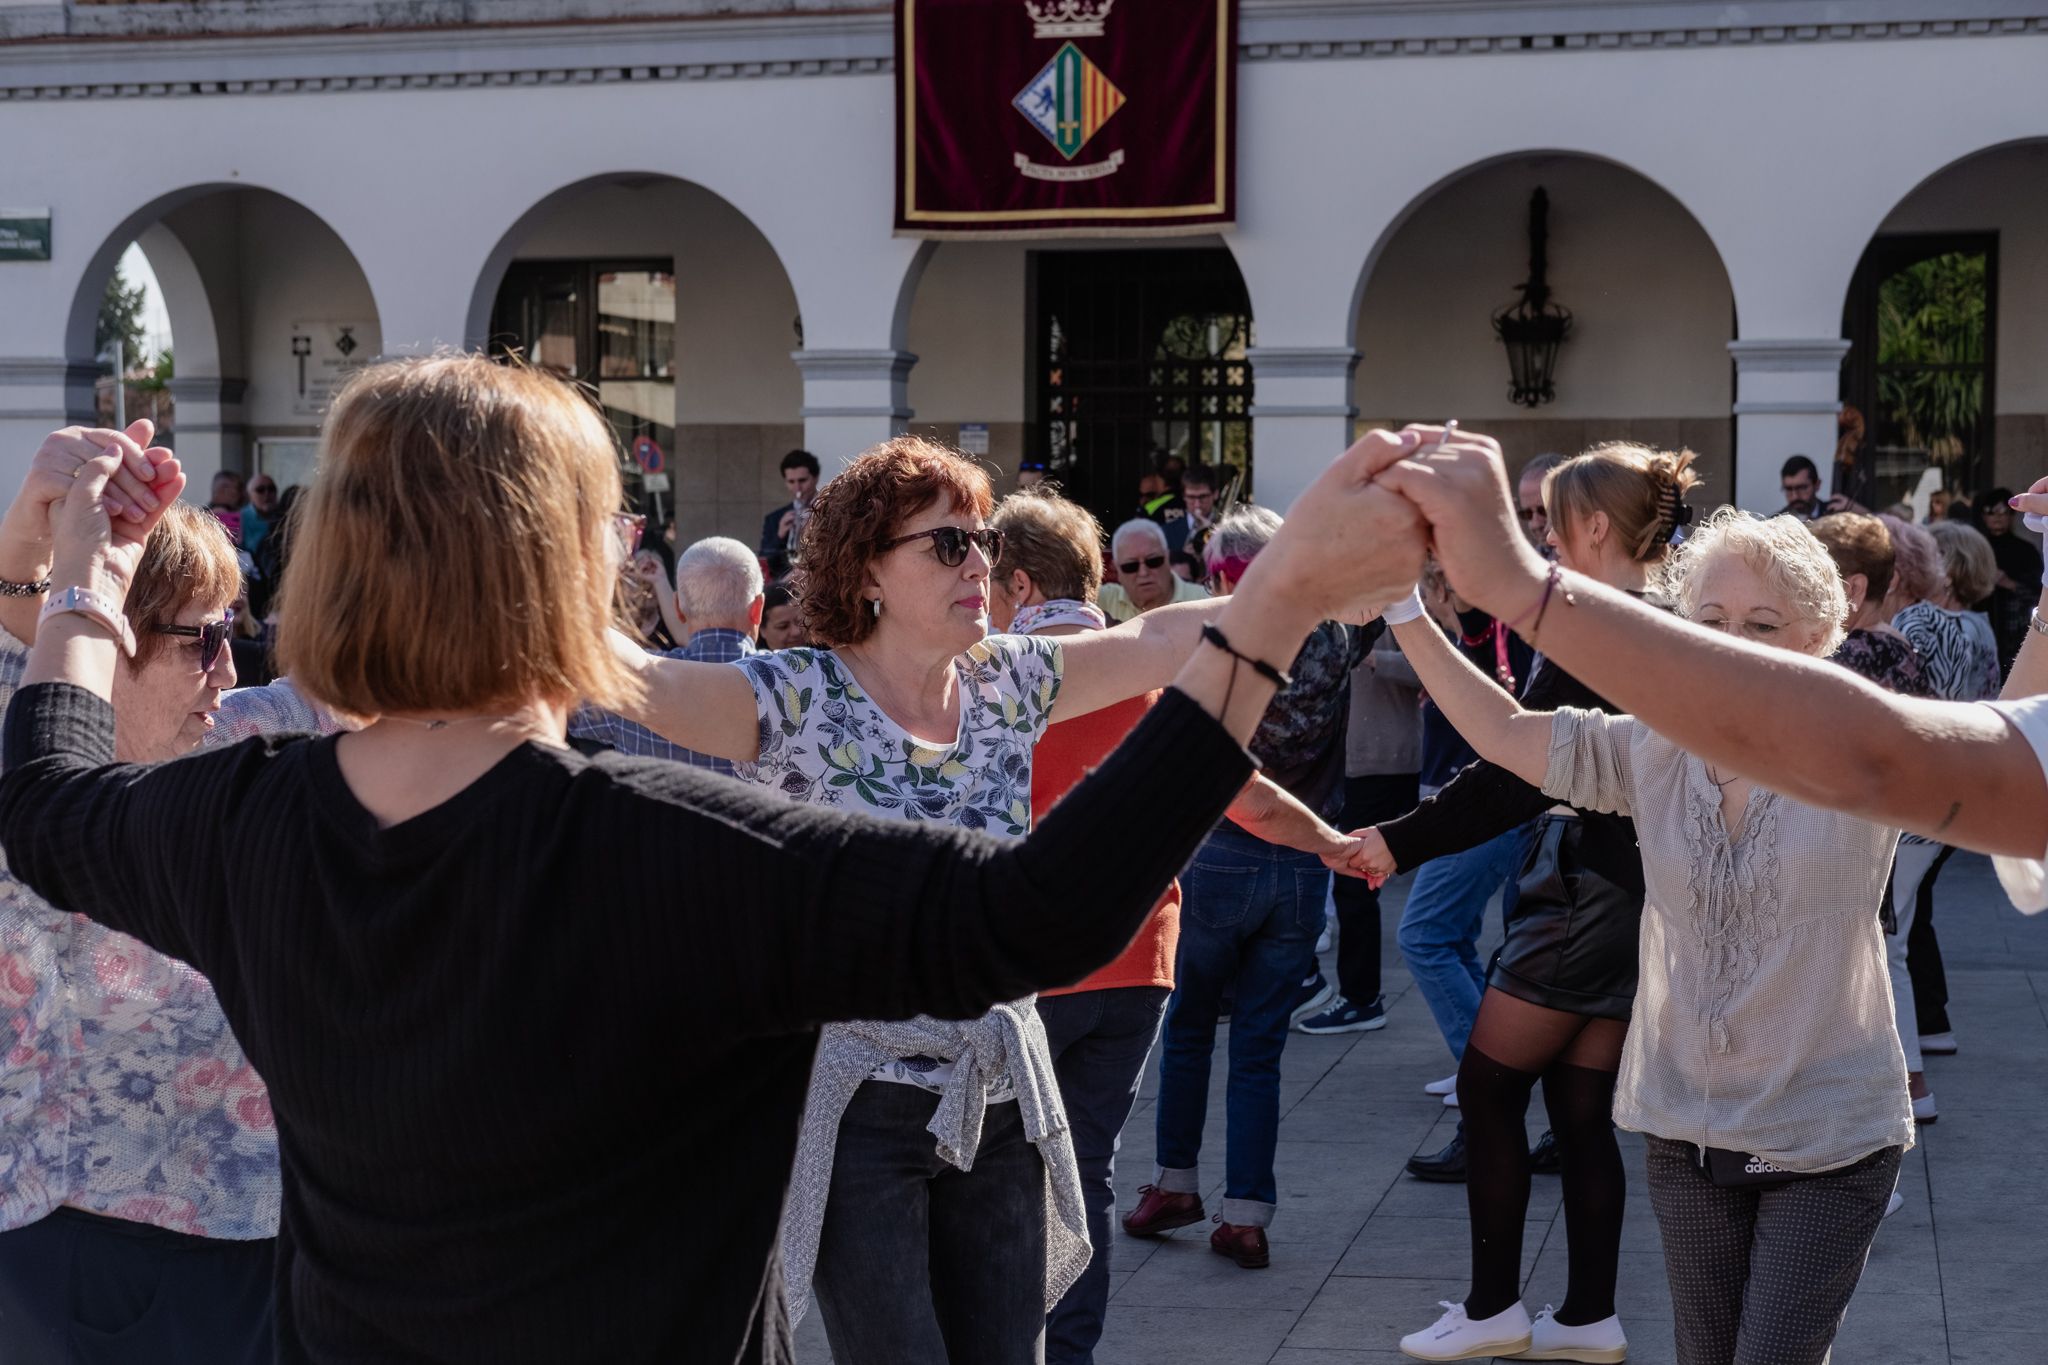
1040,118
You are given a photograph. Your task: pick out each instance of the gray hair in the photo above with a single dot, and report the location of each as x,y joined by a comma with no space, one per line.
1540,465
1132,529
1242,534
717,580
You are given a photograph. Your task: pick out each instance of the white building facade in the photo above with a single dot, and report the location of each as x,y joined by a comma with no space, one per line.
314,186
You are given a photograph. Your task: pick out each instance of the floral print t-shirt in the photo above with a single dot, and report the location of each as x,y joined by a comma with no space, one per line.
122,1090
824,742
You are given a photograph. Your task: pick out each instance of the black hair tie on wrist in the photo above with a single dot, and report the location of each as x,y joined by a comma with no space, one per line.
1258,666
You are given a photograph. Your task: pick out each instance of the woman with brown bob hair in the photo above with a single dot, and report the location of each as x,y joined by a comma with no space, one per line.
1560,992
925,1142
498,1116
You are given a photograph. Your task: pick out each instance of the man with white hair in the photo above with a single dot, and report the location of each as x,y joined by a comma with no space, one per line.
719,595
1145,576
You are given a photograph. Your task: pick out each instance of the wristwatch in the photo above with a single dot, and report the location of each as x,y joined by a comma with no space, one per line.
76,601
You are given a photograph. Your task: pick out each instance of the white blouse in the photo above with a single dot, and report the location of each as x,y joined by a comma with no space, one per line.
1763,1015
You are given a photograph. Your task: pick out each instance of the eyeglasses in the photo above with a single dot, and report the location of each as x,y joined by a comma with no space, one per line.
950,543
262,488
212,637
631,528
1530,514
1131,565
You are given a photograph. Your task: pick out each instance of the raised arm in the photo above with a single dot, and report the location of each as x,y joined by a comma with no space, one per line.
1269,811
1948,770
2029,675
1104,667
706,707
1490,720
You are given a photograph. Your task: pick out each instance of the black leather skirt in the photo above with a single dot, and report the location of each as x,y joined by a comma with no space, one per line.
1572,942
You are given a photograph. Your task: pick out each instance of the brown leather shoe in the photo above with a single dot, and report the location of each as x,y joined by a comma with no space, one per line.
1162,1211
1244,1244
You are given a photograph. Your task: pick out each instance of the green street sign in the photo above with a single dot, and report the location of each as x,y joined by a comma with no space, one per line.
24,234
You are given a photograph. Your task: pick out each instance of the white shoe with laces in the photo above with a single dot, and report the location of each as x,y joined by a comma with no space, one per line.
1457,1337
1600,1343
1924,1110
1442,1087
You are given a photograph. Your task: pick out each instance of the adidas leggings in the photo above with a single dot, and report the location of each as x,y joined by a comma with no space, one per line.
1762,1276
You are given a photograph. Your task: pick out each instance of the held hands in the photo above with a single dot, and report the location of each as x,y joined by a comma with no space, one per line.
1348,547
56,464
2033,506
1460,487
98,527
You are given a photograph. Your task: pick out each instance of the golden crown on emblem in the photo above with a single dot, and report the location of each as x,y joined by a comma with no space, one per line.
1068,18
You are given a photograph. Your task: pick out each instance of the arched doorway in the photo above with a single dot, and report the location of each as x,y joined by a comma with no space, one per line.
675,309
1100,361
1946,379
269,313
1646,358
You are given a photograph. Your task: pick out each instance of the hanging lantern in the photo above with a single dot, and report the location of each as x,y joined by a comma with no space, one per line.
1534,328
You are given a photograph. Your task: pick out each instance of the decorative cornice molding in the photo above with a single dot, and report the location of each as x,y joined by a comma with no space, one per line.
854,365
1789,354
1302,362
608,48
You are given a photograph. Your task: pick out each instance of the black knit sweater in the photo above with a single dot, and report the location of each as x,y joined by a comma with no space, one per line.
538,1056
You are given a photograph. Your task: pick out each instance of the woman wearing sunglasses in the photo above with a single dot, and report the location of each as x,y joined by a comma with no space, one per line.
138,1162
926,1143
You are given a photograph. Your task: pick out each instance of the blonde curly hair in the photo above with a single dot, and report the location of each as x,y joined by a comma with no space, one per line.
1781,551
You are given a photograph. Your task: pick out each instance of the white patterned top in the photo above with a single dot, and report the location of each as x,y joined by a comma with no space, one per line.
1763,1016
2026,879
824,741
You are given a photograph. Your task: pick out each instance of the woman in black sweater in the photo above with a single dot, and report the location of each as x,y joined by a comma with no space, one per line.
1558,996
533,1104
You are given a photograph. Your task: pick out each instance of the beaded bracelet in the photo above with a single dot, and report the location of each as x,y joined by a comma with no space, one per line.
12,589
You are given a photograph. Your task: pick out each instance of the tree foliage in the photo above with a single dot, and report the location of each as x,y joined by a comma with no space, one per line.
120,318
1933,324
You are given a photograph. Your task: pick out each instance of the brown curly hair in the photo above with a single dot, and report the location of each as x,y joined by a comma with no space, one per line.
862,507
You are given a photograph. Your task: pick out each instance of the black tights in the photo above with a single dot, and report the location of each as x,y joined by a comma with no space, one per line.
1514,1045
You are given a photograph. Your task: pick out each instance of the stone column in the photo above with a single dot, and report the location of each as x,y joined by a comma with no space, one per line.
1787,393
208,425
1302,416
852,400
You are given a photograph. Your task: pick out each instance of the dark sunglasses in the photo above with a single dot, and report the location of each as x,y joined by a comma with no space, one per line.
950,543
262,488
1530,514
1131,565
212,637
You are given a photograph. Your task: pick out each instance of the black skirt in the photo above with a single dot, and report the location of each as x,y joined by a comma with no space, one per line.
1572,942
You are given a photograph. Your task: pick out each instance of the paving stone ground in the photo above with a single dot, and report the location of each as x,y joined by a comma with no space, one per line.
1362,1253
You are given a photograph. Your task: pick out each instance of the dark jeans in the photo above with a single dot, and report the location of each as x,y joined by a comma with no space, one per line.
919,1262
1368,800
1250,913
1100,1042
1923,956
78,1289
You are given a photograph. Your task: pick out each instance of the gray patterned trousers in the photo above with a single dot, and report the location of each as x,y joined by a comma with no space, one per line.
1762,1276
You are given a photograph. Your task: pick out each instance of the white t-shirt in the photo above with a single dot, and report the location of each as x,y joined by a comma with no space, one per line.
2026,879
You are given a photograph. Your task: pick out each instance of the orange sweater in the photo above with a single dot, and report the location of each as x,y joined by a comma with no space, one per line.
1062,757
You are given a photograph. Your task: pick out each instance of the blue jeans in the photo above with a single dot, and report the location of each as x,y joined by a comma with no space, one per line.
1440,927
1249,915
1100,1043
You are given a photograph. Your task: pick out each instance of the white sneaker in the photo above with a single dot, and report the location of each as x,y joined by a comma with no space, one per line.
1938,1044
1451,1100
1599,1342
1898,1201
1456,1337
1442,1087
1924,1110
1323,943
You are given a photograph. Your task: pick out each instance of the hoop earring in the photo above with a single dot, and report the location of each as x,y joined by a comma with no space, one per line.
876,603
